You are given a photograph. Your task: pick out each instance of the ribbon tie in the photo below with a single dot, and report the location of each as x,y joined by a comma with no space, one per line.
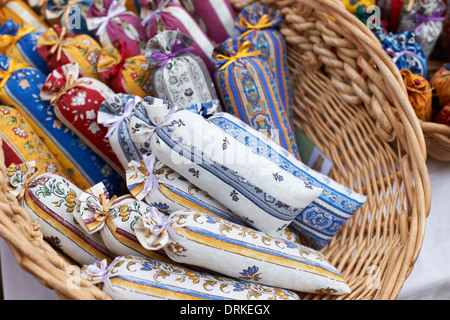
158,228
114,123
435,16
152,15
172,110
397,55
177,49
13,66
57,45
124,55
151,181
113,11
69,85
243,52
263,23
105,207
8,39
29,177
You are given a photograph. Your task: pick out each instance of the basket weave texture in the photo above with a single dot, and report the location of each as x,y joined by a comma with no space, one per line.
350,100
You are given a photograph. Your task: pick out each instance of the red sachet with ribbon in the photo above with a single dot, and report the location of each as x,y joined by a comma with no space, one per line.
76,101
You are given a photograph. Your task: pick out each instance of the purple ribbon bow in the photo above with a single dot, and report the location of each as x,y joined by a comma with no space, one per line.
158,228
153,14
435,16
114,123
177,49
151,181
172,110
396,55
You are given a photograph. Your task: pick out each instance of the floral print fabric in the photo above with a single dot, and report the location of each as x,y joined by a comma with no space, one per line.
151,279
250,186
199,239
76,101
112,22
21,13
22,89
21,144
123,72
58,49
419,94
179,76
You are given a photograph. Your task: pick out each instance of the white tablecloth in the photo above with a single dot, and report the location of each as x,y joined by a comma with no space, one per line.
430,278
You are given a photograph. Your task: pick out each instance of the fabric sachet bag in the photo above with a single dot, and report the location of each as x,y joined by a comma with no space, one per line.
114,219
419,94
19,42
441,83
236,251
76,101
248,90
249,185
112,22
135,278
426,21
322,219
59,48
259,26
179,76
217,17
50,201
352,5
125,72
161,15
69,13
21,13
20,87
405,52
21,144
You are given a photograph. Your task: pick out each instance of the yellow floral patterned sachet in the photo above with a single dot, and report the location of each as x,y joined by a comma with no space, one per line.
21,144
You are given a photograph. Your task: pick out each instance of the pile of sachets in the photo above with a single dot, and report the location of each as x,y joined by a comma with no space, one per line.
413,33
154,143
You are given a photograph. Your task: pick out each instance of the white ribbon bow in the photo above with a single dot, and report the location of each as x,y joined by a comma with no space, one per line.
113,11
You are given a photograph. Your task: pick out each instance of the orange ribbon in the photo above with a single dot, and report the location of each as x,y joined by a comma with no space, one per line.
104,215
243,52
57,45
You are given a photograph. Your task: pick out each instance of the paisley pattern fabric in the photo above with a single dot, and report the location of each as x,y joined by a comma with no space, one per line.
21,13
112,22
19,43
21,144
322,219
162,15
250,186
419,93
135,278
405,52
69,13
58,49
248,89
76,101
22,89
259,25
199,239
179,76
123,72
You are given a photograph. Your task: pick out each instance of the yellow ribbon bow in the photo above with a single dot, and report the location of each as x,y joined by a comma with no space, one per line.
7,40
104,215
262,24
57,44
70,84
14,65
243,52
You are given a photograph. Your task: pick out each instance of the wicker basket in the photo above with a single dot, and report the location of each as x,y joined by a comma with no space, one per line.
351,101
437,138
